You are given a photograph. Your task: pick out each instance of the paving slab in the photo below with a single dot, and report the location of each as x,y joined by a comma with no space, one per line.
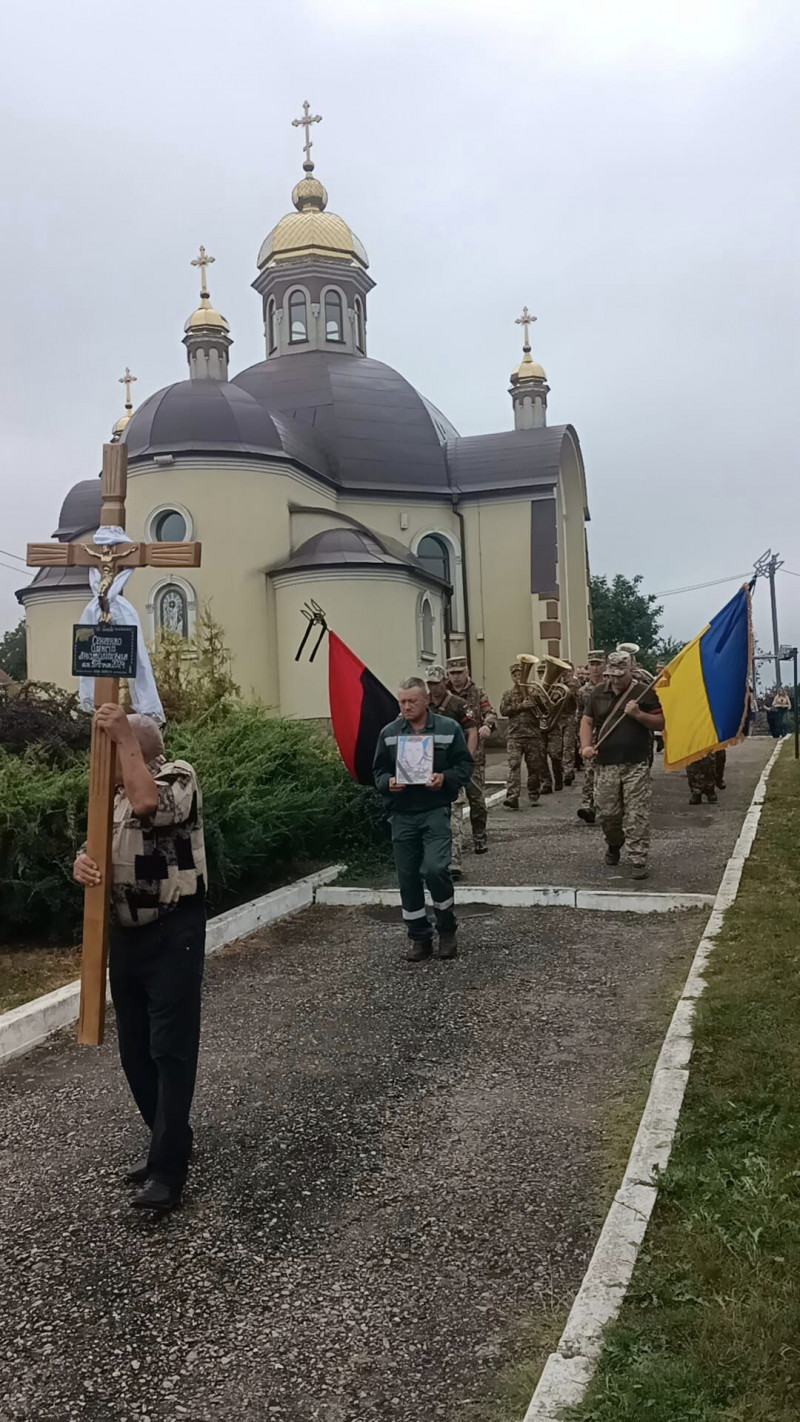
395,1165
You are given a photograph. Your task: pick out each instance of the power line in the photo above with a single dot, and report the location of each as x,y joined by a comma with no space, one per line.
15,556
12,569
791,574
694,587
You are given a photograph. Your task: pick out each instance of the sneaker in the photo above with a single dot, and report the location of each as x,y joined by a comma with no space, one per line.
695,799
419,949
511,804
587,814
448,946
612,856
640,871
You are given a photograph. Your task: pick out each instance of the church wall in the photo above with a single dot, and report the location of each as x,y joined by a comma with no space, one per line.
575,588
240,514
49,622
498,535
387,639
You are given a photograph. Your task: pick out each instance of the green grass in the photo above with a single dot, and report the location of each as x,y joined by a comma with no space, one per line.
710,1329
25,973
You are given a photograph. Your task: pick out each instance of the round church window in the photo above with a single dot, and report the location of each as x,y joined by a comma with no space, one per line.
169,527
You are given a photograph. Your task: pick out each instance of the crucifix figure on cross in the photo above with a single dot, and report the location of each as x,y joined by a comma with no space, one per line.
306,122
110,559
525,320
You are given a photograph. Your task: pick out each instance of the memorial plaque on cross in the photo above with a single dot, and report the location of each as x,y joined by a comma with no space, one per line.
109,559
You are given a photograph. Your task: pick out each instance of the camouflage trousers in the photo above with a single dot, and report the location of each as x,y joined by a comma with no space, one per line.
587,798
702,775
622,799
477,801
531,750
568,735
457,829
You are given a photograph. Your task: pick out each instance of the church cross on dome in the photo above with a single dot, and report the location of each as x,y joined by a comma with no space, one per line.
306,122
527,321
128,380
202,262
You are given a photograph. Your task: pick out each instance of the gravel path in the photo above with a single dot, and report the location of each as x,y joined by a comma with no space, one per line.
395,1165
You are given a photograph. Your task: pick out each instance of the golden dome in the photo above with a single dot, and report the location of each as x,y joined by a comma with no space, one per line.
120,426
311,231
205,315
527,370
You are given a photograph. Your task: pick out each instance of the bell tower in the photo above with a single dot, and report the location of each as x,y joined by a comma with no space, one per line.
529,387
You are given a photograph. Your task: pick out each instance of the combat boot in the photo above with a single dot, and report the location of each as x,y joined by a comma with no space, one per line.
640,871
587,814
547,788
569,777
511,804
558,776
695,799
480,844
419,949
612,855
712,797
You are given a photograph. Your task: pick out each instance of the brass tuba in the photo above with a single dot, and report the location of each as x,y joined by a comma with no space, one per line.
559,695
526,663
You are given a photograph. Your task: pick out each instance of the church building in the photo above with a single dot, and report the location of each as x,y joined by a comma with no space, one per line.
321,473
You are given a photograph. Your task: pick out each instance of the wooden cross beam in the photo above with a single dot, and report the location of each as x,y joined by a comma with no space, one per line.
110,559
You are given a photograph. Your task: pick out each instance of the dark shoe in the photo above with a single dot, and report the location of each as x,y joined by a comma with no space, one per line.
640,871
533,802
448,947
480,846
456,874
712,797
720,784
695,799
587,815
511,804
568,779
612,856
136,1174
155,1195
547,789
419,949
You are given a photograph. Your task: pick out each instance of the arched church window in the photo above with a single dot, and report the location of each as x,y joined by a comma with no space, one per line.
333,316
359,325
435,555
272,327
172,613
298,319
426,628
169,526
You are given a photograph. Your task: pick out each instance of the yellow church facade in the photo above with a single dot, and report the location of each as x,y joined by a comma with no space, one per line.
321,473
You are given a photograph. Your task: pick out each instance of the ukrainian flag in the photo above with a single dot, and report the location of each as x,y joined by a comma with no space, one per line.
705,690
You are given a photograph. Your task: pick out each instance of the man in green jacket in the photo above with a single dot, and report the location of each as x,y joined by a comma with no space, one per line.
420,817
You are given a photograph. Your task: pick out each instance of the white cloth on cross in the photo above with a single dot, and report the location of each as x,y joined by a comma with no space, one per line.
144,692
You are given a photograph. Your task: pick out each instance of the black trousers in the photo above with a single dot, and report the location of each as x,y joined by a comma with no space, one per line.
156,975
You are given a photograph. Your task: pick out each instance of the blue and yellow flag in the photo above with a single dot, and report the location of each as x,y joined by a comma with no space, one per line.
705,690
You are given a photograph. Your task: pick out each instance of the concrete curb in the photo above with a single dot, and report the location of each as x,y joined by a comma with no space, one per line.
526,896
30,1024
567,1372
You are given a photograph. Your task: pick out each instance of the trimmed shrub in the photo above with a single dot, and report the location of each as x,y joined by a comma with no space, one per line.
46,719
277,801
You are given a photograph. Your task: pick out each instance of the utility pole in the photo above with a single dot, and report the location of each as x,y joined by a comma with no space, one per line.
774,564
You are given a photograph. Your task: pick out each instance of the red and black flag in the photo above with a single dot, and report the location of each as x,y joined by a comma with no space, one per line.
360,707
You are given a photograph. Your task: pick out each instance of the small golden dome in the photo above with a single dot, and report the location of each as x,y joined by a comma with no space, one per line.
120,426
309,195
205,315
527,370
312,233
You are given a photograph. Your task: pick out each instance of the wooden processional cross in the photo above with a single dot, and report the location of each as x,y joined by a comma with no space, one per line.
109,559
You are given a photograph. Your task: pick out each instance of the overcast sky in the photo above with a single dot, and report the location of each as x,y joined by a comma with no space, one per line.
625,169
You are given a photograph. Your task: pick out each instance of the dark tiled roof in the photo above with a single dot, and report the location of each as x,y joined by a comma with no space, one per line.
379,431
214,416
80,510
354,545
513,458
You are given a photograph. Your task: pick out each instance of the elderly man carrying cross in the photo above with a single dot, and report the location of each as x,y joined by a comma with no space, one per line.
157,942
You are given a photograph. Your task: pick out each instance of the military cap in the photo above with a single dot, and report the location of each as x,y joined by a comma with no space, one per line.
435,673
597,656
457,664
629,647
618,662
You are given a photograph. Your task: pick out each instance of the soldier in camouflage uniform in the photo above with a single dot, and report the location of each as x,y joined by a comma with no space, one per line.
615,733
460,681
555,732
523,706
596,669
445,703
701,775
569,723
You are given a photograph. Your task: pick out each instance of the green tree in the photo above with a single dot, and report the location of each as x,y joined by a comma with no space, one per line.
668,647
14,652
193,673
623,613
